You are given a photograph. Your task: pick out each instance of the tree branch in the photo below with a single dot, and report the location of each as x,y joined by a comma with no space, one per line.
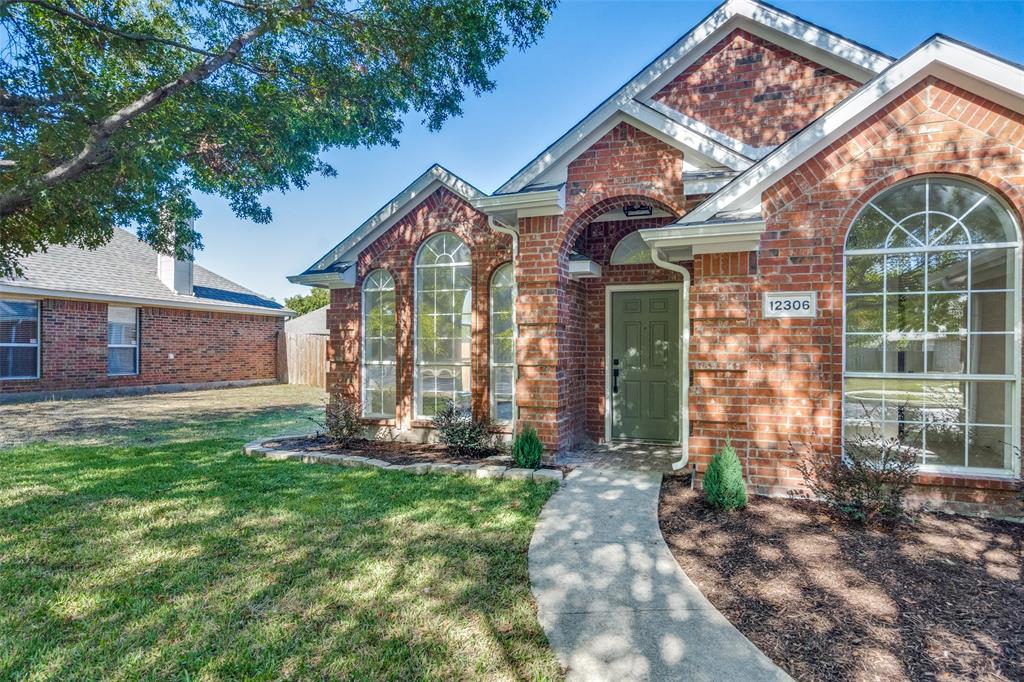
106,28
99,137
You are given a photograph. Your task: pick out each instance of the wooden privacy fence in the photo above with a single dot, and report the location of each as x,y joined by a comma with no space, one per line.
302,359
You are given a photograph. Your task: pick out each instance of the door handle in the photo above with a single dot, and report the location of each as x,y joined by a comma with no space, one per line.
615,376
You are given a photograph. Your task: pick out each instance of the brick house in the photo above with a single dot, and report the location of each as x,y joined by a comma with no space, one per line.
123,318
772,233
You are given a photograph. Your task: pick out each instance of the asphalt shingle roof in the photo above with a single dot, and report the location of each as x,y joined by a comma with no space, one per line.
126,266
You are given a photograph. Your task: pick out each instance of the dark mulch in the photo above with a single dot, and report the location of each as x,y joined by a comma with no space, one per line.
393,452
941,598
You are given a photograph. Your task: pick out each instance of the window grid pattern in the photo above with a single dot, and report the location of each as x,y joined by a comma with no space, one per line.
931,313
443,325
19,339
379,363
502,352
122,341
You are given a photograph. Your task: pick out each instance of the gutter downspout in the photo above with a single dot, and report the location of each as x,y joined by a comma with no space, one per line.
684,409
512,232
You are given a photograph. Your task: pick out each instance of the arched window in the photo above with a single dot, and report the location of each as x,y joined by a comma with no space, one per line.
631,250
503,350
379,345
932,314
444,305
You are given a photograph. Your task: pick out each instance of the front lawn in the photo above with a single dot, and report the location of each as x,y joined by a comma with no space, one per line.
940,598
184,560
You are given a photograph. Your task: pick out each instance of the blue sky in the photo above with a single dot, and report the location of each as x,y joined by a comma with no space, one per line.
588,50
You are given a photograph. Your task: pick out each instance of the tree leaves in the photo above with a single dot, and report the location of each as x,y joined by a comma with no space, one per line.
229,97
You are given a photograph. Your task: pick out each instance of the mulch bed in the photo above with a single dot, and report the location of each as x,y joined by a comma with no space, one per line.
940,598
394,452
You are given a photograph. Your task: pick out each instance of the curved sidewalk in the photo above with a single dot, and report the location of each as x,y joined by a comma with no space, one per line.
611,597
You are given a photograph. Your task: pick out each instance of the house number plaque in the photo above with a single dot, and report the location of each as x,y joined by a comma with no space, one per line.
791,304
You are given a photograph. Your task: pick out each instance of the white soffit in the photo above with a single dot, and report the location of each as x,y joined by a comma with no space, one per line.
824,47
422,187
980,73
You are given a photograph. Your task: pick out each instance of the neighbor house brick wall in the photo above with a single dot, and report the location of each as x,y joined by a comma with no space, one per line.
395,251
207,347
780,381
755,91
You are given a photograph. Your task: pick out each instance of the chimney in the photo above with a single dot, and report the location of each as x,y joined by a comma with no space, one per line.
175,274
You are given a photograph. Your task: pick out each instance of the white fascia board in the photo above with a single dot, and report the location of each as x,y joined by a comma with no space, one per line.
583,269
705,34
1003,82
393,211
700,151
717,238
693,188
36,292
741,148
344,279
524,204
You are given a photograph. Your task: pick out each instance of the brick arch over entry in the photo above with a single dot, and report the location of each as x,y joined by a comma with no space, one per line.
589,214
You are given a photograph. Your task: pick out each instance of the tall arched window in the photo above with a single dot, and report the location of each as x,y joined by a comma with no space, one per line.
502,354
444,305
932,324
378,345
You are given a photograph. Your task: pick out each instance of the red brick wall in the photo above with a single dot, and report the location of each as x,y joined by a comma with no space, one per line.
207,346
755,91
395,251
769,382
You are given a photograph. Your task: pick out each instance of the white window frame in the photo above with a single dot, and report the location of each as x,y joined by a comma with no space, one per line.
364,362
37,345
417,395
135,346
492,365
1014,378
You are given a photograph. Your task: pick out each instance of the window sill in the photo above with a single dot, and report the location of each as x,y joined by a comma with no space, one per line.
965,480
379,421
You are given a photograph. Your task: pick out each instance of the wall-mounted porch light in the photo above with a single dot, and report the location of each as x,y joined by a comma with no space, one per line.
637,210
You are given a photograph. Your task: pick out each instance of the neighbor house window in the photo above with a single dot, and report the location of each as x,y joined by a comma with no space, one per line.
379,345
502,345
443,322
931,324
122,341
19,339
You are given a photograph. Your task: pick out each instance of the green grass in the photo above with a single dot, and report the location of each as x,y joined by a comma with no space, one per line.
183,560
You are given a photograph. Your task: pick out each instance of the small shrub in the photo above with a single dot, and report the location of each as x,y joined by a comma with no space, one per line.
723,483
868,482
527,448
461,433
342,423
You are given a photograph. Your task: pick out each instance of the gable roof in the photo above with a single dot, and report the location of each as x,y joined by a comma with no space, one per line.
334,266
633,101
124,270
314,322
980,72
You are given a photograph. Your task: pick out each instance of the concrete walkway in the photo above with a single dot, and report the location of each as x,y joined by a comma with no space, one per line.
611,597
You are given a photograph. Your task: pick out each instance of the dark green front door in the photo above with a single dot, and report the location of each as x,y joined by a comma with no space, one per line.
645,365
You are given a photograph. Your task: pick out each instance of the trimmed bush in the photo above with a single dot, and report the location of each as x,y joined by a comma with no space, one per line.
462,434
723,484
527,448
342,423
868,482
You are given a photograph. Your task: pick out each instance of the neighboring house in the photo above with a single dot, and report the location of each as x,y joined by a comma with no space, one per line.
772,233
313,322
123,316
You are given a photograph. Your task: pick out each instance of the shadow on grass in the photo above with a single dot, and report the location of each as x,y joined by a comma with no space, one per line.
156,562
936,600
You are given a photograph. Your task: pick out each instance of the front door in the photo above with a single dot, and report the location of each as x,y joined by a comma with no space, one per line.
644,365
